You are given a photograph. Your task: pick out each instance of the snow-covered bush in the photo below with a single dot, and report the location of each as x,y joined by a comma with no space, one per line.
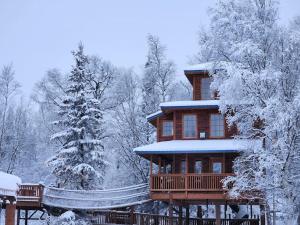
67,218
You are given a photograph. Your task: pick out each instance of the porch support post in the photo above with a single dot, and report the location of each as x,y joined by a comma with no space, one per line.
262,215
218,214
10,212
180,215
187,215
173,164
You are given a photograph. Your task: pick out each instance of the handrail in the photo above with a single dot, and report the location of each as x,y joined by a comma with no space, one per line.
188,182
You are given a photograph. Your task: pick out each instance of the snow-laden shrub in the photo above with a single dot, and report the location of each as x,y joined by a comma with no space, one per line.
67,218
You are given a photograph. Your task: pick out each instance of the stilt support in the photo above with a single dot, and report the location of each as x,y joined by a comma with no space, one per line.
262,215
171,213
187,215
10,213
180,215
218,215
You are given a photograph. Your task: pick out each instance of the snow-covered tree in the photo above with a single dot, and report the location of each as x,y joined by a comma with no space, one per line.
260,87
8,88
159,73
128,127
79,163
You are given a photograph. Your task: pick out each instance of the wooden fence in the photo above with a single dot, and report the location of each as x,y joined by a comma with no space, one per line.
131,218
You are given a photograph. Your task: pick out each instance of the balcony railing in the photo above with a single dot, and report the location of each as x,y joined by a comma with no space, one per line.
188,182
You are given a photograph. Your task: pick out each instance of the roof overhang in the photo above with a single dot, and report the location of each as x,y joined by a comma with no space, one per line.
199,104
195,146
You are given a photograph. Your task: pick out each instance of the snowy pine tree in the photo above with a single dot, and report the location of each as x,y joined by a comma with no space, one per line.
79,163
261,68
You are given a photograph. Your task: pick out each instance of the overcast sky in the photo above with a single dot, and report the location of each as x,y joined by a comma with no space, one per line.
37,35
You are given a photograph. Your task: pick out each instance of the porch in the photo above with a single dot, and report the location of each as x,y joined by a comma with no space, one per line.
189,176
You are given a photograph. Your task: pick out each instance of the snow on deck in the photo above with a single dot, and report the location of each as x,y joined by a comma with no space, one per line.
9,184
191,104
195,146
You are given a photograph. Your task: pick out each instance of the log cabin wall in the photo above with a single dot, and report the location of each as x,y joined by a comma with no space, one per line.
227,159
203,120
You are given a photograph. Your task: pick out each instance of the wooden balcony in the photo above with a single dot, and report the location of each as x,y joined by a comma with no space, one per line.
188,186
30,196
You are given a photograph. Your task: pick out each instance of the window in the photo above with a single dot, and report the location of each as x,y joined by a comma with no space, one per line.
168,168
183,166
167,128
189,126
198,166
216,125
217,167
205,89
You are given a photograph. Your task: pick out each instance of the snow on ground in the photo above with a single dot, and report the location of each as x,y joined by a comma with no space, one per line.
9,184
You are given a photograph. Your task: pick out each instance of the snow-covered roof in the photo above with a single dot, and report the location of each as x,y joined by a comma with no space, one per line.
154,115
194,146
195,104
204,67
9,184
198,104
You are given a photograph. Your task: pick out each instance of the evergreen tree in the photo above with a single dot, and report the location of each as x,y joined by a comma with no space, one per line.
79,163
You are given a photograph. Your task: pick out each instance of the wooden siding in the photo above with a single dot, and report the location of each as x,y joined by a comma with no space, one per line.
203,120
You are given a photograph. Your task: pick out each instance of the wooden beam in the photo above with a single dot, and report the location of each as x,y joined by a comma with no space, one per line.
187,215
159,164
218,214
151,161
180,215
262,215
170,212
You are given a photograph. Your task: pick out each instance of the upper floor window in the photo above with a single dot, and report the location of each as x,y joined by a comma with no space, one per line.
216,125
205,89
167,128
189,126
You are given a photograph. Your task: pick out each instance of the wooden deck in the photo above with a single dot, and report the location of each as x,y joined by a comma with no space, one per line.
30,196
188,186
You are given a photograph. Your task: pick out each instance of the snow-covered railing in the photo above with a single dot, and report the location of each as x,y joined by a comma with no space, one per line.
96,199
7,192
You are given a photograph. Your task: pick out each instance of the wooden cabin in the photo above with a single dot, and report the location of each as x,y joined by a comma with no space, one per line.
195,148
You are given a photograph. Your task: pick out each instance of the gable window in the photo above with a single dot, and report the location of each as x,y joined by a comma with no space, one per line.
189,126
198,166
167,128
216,125
205,89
